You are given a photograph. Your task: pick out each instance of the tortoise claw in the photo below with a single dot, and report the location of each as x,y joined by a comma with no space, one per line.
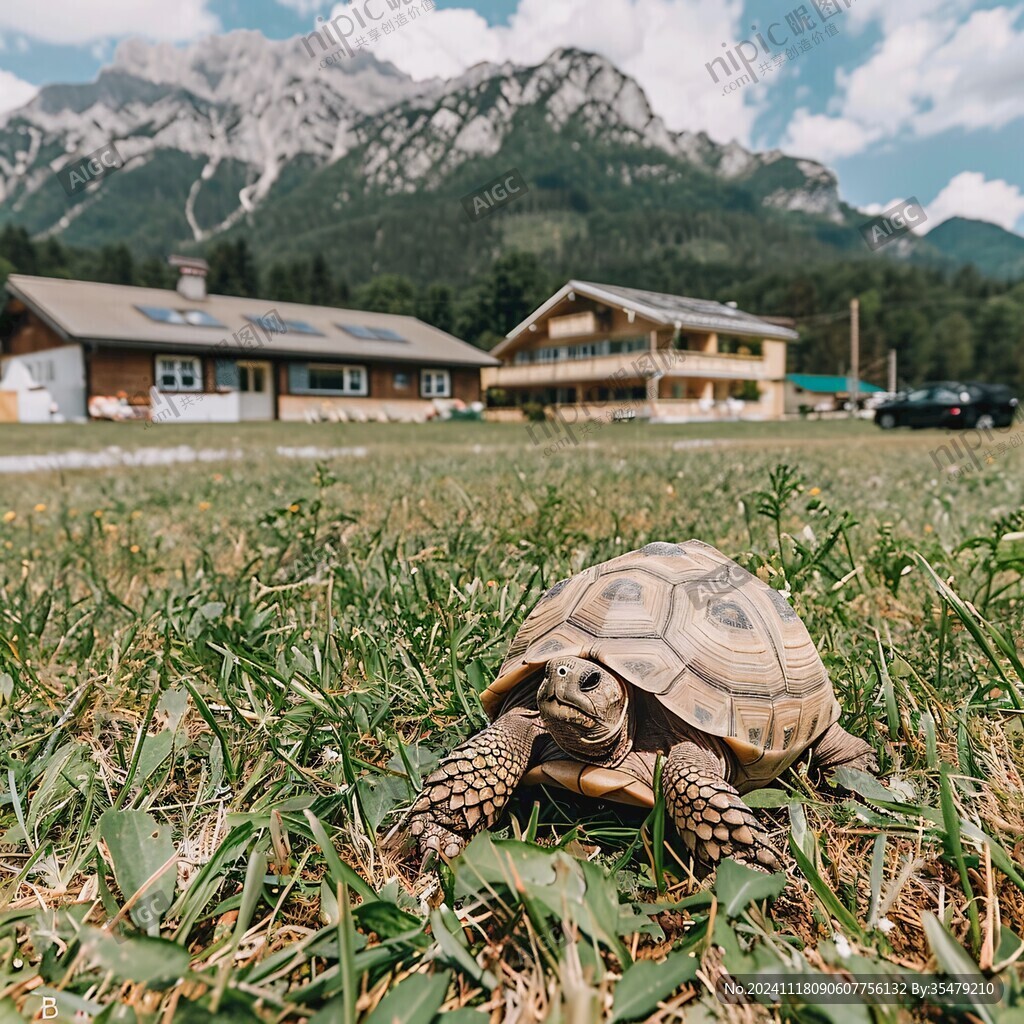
434,841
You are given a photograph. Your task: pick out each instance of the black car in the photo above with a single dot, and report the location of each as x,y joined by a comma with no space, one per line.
950,404
995,405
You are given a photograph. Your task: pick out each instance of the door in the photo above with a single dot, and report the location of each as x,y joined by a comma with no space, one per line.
256,391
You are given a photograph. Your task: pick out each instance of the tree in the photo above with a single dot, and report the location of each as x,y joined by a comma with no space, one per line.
518,287
436,307
115,265
232,270
154,273
18,249
388,293
321,286
907,331
954,351
1000,333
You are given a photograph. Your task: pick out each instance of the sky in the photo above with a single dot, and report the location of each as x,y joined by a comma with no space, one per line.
901,98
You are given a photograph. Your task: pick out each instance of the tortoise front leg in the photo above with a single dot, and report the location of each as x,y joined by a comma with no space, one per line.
709,814
468,789
836,747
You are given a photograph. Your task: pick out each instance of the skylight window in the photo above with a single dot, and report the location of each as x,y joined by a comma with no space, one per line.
180,317
371,333
199,318
275,325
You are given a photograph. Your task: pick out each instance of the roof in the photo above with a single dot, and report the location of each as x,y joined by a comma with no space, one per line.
827,384
672,310
86,310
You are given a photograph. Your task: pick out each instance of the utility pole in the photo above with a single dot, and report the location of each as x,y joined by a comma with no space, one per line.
892,371
854,352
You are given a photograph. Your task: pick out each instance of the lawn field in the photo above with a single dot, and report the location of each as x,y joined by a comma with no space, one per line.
222,680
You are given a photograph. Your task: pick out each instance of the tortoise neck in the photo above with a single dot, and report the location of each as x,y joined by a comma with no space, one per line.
623,745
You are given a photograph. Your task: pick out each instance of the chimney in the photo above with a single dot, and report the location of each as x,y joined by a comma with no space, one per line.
191,277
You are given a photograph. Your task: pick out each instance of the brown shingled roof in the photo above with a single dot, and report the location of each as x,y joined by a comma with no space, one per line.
86,310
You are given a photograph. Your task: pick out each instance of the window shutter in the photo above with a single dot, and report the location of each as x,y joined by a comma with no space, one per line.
298,378
227,374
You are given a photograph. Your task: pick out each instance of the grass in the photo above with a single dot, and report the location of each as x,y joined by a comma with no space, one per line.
221,683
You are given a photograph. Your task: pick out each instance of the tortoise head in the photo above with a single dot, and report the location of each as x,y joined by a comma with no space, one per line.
586,710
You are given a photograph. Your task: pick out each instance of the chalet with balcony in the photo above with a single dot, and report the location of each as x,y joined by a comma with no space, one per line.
604,349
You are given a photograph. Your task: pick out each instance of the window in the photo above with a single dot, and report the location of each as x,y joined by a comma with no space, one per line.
179,373
401,381
199,318
273,324
191,317
584,350
252,377
339,380
371,333
435,384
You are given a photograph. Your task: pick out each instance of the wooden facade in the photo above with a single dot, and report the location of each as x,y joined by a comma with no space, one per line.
598,358
123,370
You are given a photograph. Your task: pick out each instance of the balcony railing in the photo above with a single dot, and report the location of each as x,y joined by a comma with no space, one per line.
636,364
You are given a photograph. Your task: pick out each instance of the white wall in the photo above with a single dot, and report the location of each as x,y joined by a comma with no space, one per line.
33,401
200,407
61,371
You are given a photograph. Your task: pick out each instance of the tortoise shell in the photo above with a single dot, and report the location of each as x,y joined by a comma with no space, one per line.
716,646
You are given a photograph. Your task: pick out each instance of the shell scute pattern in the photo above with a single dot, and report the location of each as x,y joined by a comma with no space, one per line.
716,645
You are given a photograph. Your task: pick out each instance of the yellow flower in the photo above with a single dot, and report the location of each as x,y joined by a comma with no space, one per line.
110,527
98,513
136,514
814,492
9,517
8,545
217,477
293,508
39,508
928,528
134,549
491,583
204,506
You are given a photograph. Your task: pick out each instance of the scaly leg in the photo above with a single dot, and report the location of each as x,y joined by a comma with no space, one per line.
712,819
835,747
467,791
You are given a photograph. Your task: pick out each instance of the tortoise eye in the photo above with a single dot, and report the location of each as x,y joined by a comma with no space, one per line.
590,680
562,670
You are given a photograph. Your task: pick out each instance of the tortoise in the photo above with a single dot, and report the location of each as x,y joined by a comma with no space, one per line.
670,650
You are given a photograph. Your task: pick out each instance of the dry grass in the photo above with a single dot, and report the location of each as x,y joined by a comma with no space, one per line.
261,659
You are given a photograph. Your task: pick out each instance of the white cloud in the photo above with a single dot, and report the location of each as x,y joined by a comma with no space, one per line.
827,138
969,194
14,92
663,44
305,7
876,208
932,72
72,22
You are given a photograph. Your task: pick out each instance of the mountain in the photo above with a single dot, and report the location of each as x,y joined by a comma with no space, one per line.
239,134
992,250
